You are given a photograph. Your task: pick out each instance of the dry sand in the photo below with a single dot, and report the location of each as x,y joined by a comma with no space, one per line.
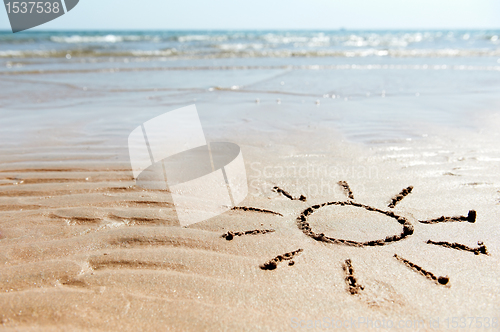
82,248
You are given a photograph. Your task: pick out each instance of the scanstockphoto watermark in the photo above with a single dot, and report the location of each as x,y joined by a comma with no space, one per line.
25,15
355,323
363,323
170,153
310,171
309,179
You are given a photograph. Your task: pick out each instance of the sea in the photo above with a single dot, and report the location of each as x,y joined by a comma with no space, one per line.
250,44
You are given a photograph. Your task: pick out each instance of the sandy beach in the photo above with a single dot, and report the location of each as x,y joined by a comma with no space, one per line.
374,197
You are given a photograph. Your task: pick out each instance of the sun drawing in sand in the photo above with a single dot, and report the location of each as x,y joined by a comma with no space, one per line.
407,230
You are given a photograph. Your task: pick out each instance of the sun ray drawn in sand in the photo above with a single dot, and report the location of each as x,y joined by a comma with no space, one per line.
407,229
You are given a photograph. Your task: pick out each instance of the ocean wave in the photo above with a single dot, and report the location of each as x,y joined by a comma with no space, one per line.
248,44
198,38
113,38
331,38
76,39
374,39
250,51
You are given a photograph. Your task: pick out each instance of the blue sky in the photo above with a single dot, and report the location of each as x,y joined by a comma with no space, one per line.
277,14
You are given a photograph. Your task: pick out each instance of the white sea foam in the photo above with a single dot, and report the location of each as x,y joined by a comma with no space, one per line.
75,39
277,44
190,38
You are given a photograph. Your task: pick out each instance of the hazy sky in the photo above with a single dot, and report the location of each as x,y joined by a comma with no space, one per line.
276,14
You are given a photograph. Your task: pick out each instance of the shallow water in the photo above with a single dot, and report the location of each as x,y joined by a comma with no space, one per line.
424,83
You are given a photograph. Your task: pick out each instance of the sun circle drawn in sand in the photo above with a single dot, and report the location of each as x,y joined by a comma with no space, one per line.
407,230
